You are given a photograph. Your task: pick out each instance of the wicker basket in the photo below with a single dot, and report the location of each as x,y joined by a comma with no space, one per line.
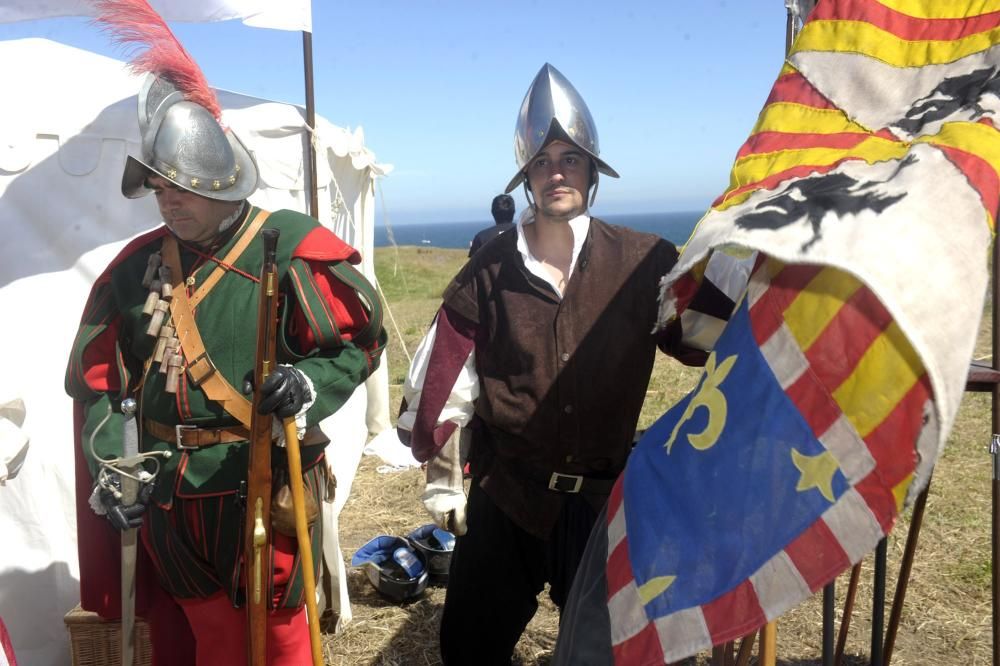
97,642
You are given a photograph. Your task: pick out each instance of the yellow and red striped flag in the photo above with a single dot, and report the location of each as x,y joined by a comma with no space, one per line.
867,192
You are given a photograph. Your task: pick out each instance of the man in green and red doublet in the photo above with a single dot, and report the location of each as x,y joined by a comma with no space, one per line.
330,331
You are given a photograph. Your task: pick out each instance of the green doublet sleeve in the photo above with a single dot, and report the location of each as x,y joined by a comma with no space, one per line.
342,359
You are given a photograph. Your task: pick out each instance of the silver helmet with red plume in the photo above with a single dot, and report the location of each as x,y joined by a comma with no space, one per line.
182,137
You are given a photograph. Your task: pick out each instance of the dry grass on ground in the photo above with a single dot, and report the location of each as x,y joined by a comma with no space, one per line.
946,619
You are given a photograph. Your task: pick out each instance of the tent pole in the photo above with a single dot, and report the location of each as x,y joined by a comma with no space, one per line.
310,153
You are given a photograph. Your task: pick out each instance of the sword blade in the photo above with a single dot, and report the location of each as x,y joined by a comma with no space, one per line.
130,538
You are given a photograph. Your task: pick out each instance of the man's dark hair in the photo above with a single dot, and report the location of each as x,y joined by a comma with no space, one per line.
503,208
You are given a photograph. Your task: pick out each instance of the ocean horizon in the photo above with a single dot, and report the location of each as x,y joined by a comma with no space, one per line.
674,226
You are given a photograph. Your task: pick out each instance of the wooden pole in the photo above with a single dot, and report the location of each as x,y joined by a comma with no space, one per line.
310,153
768,655
746,647
995,450
899,597
845,623
302,535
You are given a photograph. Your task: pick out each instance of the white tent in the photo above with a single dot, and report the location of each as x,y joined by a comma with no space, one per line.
69,120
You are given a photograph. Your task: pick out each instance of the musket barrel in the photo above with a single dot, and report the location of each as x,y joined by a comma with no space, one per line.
257,532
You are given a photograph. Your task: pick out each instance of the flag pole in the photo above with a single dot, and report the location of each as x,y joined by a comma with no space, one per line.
995,451
310,148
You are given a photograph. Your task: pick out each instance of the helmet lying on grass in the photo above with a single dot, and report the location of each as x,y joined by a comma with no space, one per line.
436,544
393,566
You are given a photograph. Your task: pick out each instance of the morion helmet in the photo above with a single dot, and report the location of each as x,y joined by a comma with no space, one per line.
184,143
180,127
553,110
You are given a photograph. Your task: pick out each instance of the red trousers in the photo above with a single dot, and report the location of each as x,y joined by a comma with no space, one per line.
219,632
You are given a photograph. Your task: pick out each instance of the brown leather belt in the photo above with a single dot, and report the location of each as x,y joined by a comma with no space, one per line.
192,437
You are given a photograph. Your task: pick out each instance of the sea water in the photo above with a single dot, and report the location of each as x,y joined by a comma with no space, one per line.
675,227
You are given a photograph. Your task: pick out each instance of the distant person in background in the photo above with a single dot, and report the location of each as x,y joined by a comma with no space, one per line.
543,347
503,217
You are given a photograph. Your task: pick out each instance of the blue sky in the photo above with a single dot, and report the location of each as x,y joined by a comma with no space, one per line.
674,87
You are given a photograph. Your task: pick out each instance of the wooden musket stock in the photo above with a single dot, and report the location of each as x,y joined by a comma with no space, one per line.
257,535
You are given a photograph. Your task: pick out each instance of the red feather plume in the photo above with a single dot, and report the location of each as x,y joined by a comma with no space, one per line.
134,24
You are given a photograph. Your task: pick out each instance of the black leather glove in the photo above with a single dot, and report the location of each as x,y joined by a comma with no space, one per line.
283,392
126,516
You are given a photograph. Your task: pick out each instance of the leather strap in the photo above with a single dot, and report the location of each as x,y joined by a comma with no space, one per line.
194,437
234,253
201,371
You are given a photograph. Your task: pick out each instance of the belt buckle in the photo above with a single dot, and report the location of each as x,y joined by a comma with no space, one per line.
178,430
200,369
557,477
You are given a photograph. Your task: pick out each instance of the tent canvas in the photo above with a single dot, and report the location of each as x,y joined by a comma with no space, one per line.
69,122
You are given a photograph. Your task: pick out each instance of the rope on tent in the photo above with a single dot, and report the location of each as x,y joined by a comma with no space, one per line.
395,268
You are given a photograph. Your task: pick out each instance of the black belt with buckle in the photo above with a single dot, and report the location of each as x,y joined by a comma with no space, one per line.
571,483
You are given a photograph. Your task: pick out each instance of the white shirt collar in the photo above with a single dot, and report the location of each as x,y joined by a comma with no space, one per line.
579,225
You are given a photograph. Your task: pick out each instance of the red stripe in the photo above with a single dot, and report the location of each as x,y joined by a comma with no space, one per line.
892,445
619,570
795,89
767,314
734,614
982,176
321,297
817,554
901,25
775,179
684,291
615,498
306,310
835,354
639,648
772,142
814,402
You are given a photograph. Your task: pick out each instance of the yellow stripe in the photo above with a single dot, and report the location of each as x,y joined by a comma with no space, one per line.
864,38
754,168
654,587
899,491
799,118
943,9
976,138
818,303
886,372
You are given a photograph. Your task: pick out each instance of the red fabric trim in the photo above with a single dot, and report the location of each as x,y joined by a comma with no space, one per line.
619,569
128,250
638,649
454,341
100,372
321,244
303,319
6,646
739,602
818,555
901,25
342,303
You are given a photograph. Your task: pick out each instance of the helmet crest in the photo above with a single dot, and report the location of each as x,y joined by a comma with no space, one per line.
134,24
